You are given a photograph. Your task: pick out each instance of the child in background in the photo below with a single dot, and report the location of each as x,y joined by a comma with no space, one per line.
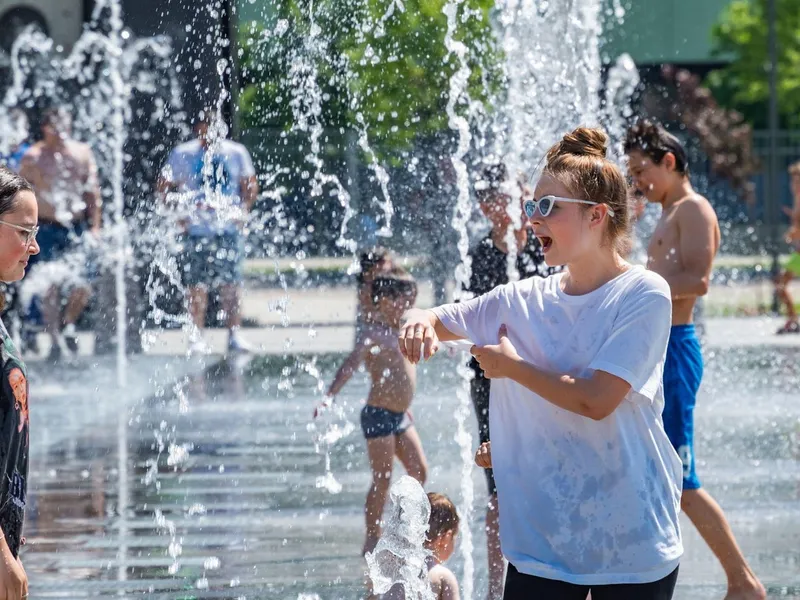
441,543
792,267
385,419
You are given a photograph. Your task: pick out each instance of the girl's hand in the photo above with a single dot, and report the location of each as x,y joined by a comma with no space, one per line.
496,360
13,580
483,455
418,339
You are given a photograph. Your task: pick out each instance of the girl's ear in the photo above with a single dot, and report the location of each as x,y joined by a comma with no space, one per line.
669,161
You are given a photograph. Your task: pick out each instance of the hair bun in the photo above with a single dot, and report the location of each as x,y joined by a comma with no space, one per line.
583,141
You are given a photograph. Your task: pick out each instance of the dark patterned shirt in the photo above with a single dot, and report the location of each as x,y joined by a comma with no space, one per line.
14,440
490,269
489,264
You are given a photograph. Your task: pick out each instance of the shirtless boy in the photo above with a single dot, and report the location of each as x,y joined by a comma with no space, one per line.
441,543
682,251
385,419
64,174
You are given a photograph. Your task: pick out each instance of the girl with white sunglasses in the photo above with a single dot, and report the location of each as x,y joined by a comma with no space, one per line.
588,483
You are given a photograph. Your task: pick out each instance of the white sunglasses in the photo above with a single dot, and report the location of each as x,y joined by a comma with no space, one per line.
545,205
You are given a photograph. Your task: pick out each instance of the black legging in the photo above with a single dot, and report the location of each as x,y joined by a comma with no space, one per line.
527,587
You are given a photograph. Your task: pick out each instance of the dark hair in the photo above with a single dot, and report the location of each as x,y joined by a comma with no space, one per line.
52,115
490,180
369,259
10,185
394,284
579,162
654,141
444,516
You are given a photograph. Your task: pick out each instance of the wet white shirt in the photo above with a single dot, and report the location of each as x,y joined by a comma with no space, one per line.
582,501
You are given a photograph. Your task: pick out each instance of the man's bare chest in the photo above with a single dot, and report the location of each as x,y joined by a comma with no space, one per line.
59,167
664,244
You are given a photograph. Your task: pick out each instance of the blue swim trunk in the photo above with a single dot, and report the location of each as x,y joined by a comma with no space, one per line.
683,372
379,422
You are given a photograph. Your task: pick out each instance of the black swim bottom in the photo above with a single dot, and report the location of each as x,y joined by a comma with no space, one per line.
528,587
379,422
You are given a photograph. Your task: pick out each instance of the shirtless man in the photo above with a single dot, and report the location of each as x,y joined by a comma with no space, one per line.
682,251
64,174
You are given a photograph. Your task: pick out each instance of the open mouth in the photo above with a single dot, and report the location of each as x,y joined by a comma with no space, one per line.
546,243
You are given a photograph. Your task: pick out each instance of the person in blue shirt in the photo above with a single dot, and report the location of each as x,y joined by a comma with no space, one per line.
213,180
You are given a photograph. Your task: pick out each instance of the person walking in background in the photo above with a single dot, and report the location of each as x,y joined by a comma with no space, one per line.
18,230
792,267
63,172
588,484
682,250
221,186
489,270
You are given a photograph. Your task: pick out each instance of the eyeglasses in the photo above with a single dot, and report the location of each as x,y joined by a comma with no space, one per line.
30,231
545,205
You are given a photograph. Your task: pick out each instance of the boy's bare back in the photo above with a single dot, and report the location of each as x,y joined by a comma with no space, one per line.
685,241
443,583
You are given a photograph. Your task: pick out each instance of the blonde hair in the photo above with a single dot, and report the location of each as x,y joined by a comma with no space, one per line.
444,516
579,162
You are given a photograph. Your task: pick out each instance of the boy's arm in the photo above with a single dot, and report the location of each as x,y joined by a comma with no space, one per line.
697,231
347,369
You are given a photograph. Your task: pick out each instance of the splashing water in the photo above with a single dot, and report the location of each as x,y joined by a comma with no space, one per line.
399,557
461,215
336,426
623,78
306,107
97,83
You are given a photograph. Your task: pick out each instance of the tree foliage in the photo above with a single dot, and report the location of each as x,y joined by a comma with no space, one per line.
741,37
376,65
724,135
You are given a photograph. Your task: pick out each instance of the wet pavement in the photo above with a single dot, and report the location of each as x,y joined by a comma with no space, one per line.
200,479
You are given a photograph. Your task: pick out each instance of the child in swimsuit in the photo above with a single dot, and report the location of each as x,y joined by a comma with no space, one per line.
385,419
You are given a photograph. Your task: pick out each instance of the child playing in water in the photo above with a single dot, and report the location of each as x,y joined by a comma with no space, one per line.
442,532
441,543
792,268
385,419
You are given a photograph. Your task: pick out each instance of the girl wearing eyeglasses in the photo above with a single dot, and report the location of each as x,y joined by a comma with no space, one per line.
18,227
588,483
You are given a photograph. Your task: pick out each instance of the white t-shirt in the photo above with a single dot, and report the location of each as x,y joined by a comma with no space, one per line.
582,501
229,166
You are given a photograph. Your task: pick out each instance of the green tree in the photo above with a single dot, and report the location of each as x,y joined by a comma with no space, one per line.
388,70
741,37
